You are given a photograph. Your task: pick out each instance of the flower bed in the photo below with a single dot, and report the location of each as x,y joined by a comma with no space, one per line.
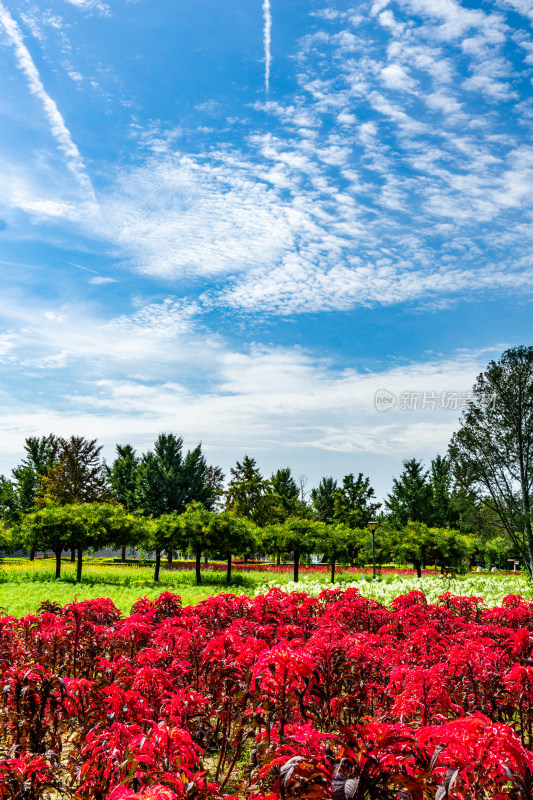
281,696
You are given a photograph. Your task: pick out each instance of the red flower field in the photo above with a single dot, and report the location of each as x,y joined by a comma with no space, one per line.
281,696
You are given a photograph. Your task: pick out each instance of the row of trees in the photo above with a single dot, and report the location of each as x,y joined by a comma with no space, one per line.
481,489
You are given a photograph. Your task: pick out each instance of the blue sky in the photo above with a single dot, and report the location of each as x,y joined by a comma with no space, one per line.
239,220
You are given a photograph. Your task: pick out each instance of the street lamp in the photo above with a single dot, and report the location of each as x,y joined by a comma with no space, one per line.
373,525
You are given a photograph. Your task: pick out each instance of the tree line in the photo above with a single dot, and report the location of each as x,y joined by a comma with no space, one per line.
473,502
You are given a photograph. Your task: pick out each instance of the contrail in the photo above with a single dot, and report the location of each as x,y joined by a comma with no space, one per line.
267,29
57,124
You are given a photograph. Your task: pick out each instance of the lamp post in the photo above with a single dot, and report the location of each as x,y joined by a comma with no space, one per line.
373,525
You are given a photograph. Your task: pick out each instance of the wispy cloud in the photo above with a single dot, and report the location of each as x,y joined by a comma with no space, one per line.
91,5
267,39
57,124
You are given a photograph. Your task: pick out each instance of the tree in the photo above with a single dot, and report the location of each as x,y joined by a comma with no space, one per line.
121,479
41,455
335,542
353,502
76,476
195,527
323,499
286,490
298,535
495,444
214,480
76,525
410,498
248,494
419,544
443,511
229,534
167,480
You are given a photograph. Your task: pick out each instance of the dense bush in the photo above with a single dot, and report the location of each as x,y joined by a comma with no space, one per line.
280,696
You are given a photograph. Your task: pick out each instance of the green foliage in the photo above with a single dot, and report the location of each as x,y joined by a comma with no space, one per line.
411,495
353,502
121,476
323,499
250,496
76,475
167,480
286,492
494,444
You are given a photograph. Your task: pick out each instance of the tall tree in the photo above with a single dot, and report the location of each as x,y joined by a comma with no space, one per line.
354,502
168,479
443,510
323,499
248,494
77,475
495,444
411,495
121,479
286,489
41,456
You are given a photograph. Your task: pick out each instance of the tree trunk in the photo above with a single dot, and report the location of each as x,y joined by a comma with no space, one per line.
157,565
245,558
72,555
79,565
228,571
278,559
169,557
529,534
206,559
58,562
32,554
333,570
198,566
296,565
416,565
123,554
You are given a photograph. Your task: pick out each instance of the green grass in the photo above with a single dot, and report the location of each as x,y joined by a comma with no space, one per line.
23,584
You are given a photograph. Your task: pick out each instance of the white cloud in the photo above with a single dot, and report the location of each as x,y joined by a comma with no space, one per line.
395,77
57,124
91,5
100,280
267,37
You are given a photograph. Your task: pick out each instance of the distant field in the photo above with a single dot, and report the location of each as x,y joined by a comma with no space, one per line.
24,585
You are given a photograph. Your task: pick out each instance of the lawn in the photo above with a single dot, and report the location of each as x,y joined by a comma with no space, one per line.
24,585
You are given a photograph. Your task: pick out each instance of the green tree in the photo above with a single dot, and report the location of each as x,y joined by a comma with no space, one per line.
298,535
335,542
229,534
195,527
443,510
420,545
323,499
168,480
76,476
121,479
287,492
410,498
353,503
41,456
249,495
495,444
